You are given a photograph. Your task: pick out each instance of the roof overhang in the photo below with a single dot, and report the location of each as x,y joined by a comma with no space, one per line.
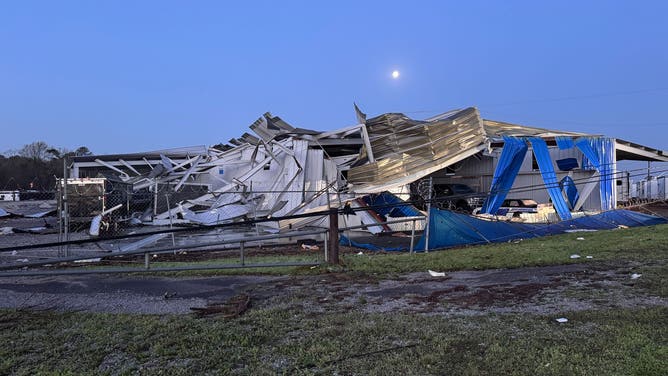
634,152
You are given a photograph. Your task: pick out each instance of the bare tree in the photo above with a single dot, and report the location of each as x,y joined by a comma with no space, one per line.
38,150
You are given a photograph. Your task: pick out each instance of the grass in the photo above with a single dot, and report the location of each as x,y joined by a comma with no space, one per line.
635,244
628,341
614,342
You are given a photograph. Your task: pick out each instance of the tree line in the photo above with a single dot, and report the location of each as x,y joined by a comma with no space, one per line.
35,166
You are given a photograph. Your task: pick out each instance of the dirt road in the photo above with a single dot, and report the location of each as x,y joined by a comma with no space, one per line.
542,290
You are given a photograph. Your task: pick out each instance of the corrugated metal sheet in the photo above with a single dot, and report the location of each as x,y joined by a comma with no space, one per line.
404,147
498,129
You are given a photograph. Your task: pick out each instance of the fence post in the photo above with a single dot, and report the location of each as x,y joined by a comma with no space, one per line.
333,251
412,236
66,211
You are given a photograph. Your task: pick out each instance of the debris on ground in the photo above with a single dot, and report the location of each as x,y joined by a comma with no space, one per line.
635,276
562,320
436,274
234,307
575,256
309,247
96,259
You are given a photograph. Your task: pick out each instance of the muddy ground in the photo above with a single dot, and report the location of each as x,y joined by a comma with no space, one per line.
540,290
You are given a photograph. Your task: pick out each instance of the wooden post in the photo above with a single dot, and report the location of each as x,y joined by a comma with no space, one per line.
333,251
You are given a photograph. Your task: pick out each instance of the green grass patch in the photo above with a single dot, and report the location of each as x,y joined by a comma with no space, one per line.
634,244
271,341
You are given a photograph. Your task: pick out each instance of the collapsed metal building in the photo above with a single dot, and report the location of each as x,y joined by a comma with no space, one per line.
281,171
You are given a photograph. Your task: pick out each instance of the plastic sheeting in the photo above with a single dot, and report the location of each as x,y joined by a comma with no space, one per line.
568,186
564,142
550,177
599,152
389,205
450,229
509,165
346,241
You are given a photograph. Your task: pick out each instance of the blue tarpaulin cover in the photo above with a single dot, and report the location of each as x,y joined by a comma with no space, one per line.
567,164
509,165
550,177
450,229
387,204
568,186
564,142
344,240
599,151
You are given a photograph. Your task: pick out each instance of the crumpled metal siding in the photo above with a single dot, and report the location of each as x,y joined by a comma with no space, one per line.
403,146
499,129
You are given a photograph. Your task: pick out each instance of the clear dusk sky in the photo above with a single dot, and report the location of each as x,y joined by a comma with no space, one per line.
130,76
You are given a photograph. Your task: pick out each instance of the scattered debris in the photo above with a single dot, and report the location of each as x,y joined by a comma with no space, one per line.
360,253
22,260
589,257
310,247
96,223
97,259
562,320
14,253
6,230
142,243
436,274
169,295
635,276
234,307
575,256
580,239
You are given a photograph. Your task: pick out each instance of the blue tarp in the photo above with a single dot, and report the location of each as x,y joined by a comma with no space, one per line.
564,142
599,152
567,164
568,186
387,204
344,240
450,229
550,177
509,165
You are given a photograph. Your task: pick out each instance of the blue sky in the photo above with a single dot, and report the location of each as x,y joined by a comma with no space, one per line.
124,76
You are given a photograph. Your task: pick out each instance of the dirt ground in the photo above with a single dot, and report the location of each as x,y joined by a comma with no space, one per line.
540,290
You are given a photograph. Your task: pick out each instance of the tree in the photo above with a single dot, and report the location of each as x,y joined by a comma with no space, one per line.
82,151
55,153
38,150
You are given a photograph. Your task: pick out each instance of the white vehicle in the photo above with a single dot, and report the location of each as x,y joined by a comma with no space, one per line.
9,196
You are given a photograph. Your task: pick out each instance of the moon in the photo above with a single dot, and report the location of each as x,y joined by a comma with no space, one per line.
395,74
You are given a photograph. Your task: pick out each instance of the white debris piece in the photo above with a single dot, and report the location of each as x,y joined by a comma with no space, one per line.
310,247
589,257
635,276
580,238
575,256
436,274
562,320
97,259
360,253
22,260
